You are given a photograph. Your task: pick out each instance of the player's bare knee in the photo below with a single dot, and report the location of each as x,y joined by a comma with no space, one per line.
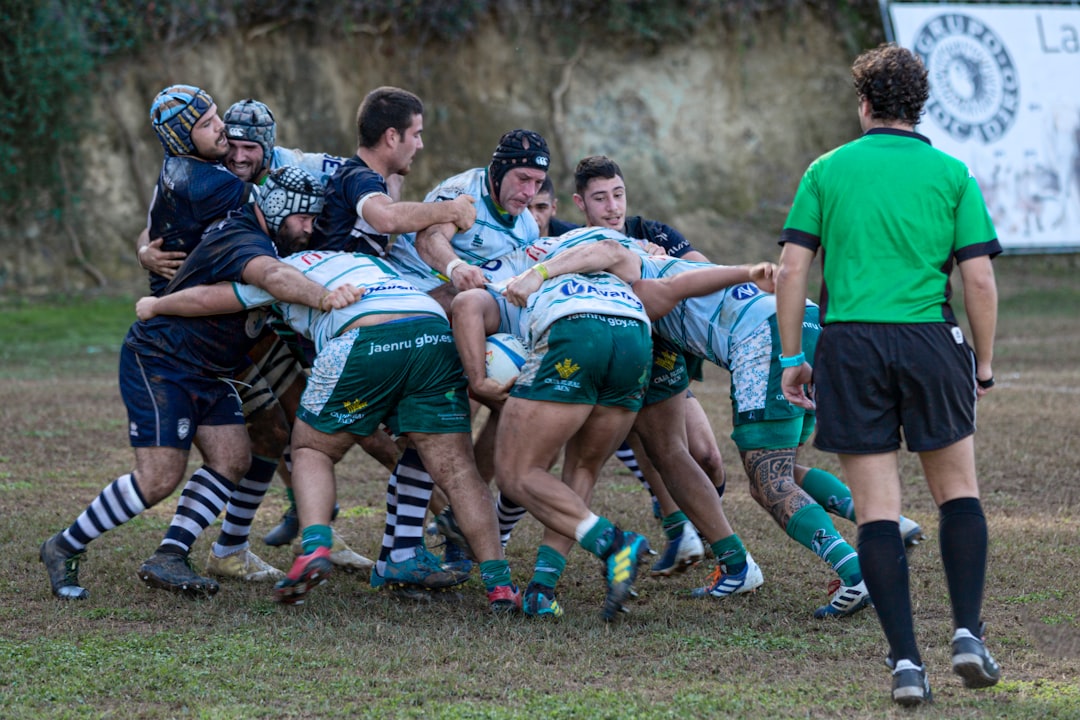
269,433
156,487
712,462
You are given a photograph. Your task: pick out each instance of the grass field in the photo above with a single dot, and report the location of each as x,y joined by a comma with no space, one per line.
352,652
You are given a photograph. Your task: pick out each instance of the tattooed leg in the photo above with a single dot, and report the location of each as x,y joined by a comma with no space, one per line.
772,483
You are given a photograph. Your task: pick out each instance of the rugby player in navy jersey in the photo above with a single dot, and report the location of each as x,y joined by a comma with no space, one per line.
361,213
277,373
174,379
193,188
252,133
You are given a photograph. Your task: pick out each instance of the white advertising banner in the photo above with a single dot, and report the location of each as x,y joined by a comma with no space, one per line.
1005,99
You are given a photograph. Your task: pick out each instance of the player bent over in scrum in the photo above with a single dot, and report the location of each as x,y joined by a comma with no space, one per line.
416,386
581,387
733,325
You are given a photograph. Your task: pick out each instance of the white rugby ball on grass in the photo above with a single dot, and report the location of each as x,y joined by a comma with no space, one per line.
504,357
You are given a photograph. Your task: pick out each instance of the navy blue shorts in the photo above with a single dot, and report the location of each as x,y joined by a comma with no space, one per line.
166,404
872,379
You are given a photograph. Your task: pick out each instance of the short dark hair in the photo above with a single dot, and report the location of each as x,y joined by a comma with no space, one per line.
547,187
384,108
894,80
594,166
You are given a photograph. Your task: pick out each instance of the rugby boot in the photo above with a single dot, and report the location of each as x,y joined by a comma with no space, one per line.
504,599
539,601
422,570
972,662
846,600
680,553
911,532
347,559
910,685
308,571
63,569
286,531
173,572
242,565
621,561
722,584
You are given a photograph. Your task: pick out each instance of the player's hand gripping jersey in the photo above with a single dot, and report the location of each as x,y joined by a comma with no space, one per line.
493,235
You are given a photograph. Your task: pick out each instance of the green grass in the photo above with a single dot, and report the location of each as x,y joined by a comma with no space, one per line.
72,334
351,652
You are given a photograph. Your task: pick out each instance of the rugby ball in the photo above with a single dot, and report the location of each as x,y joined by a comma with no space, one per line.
504,357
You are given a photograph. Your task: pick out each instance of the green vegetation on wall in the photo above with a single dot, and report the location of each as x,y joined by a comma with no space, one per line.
51,50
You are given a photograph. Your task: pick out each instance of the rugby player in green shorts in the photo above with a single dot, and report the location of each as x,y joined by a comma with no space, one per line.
387,358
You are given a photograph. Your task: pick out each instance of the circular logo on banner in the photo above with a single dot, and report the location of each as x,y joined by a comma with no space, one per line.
974,87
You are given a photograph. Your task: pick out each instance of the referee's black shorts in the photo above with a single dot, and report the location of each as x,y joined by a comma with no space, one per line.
872,379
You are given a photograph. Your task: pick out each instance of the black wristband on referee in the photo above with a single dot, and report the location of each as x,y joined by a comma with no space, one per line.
985,384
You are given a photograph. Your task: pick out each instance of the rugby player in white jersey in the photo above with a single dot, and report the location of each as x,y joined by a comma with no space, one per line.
393,348
442,260
695,306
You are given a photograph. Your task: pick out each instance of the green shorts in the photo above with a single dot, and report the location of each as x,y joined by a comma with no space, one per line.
406,374
756,395
589,360
695,366
774,434
669,374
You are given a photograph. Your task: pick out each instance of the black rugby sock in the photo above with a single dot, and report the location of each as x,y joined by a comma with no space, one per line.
885,570
963,539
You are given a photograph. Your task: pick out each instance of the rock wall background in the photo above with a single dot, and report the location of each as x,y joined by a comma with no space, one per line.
712,134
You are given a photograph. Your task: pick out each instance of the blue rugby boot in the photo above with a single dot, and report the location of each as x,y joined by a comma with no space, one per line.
680,554
722,584
628,550
539,601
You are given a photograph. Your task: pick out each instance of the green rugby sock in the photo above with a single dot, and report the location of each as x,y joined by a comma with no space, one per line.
812,528
599,537
829,492
549,566
494,573
731,552
316,536
673,523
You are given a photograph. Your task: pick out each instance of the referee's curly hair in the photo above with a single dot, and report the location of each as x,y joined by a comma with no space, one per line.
894,80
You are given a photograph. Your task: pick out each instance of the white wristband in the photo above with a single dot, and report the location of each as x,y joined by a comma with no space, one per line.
451,265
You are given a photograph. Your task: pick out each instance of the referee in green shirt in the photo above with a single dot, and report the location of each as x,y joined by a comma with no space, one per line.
891,216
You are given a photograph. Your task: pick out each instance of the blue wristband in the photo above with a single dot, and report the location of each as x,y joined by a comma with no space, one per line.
793,361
